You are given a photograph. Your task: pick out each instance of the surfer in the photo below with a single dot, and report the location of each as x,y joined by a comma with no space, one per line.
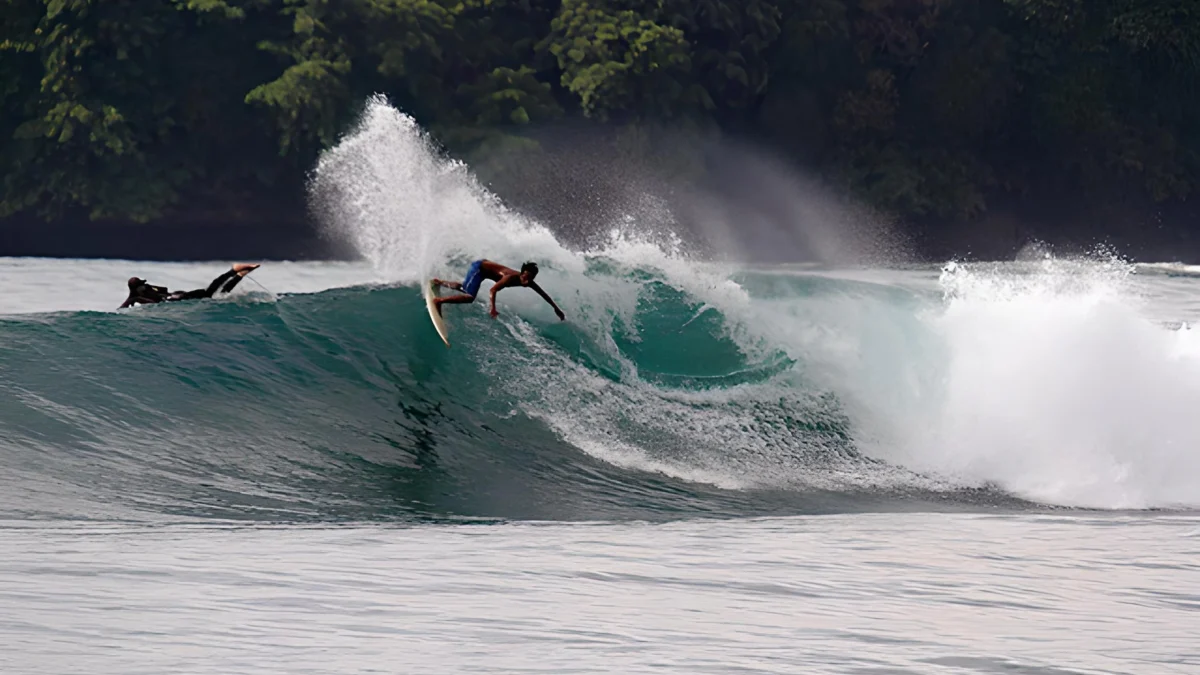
503,276
143,293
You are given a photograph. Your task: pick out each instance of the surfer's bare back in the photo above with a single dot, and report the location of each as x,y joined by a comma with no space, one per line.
503,276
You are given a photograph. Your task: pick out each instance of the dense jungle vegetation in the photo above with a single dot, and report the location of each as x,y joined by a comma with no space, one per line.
135,109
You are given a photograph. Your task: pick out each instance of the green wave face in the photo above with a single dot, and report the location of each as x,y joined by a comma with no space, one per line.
344,405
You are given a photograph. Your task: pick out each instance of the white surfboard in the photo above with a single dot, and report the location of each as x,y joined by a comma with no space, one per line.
431,292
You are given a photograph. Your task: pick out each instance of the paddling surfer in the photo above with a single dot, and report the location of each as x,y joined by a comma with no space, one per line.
503,276
143,293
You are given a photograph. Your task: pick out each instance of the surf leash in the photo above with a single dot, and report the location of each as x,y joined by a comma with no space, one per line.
260,285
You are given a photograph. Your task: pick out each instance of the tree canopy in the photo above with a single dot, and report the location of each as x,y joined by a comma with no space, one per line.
926,108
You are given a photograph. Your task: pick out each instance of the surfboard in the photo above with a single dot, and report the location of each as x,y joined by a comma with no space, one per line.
431,292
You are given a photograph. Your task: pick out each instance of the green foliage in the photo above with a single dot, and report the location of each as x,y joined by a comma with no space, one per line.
616,60
106,101
924,107
325,54
87,132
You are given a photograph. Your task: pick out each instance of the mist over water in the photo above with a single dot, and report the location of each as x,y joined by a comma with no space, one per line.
390,191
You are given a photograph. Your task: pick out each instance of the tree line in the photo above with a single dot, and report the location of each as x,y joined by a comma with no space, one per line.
132,109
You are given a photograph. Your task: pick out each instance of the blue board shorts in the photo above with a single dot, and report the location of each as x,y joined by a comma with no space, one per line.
473,279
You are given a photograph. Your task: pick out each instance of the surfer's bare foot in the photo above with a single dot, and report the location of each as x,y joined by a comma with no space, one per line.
244,268
452,285
437,304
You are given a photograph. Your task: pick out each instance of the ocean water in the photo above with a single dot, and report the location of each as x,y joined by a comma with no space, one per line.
711,467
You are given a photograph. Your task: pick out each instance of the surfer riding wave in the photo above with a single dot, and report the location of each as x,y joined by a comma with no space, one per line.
503,276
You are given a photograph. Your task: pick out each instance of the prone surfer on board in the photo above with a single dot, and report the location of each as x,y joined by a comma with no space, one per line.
143,293
503,276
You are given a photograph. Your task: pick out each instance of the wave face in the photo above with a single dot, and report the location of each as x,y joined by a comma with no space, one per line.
676,389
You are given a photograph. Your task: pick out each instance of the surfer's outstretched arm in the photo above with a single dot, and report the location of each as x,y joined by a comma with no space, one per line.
546,297
136,300
505,281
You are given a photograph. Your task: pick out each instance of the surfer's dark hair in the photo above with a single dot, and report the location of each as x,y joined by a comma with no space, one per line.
530,267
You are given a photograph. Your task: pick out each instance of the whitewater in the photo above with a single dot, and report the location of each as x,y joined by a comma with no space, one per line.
712,466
